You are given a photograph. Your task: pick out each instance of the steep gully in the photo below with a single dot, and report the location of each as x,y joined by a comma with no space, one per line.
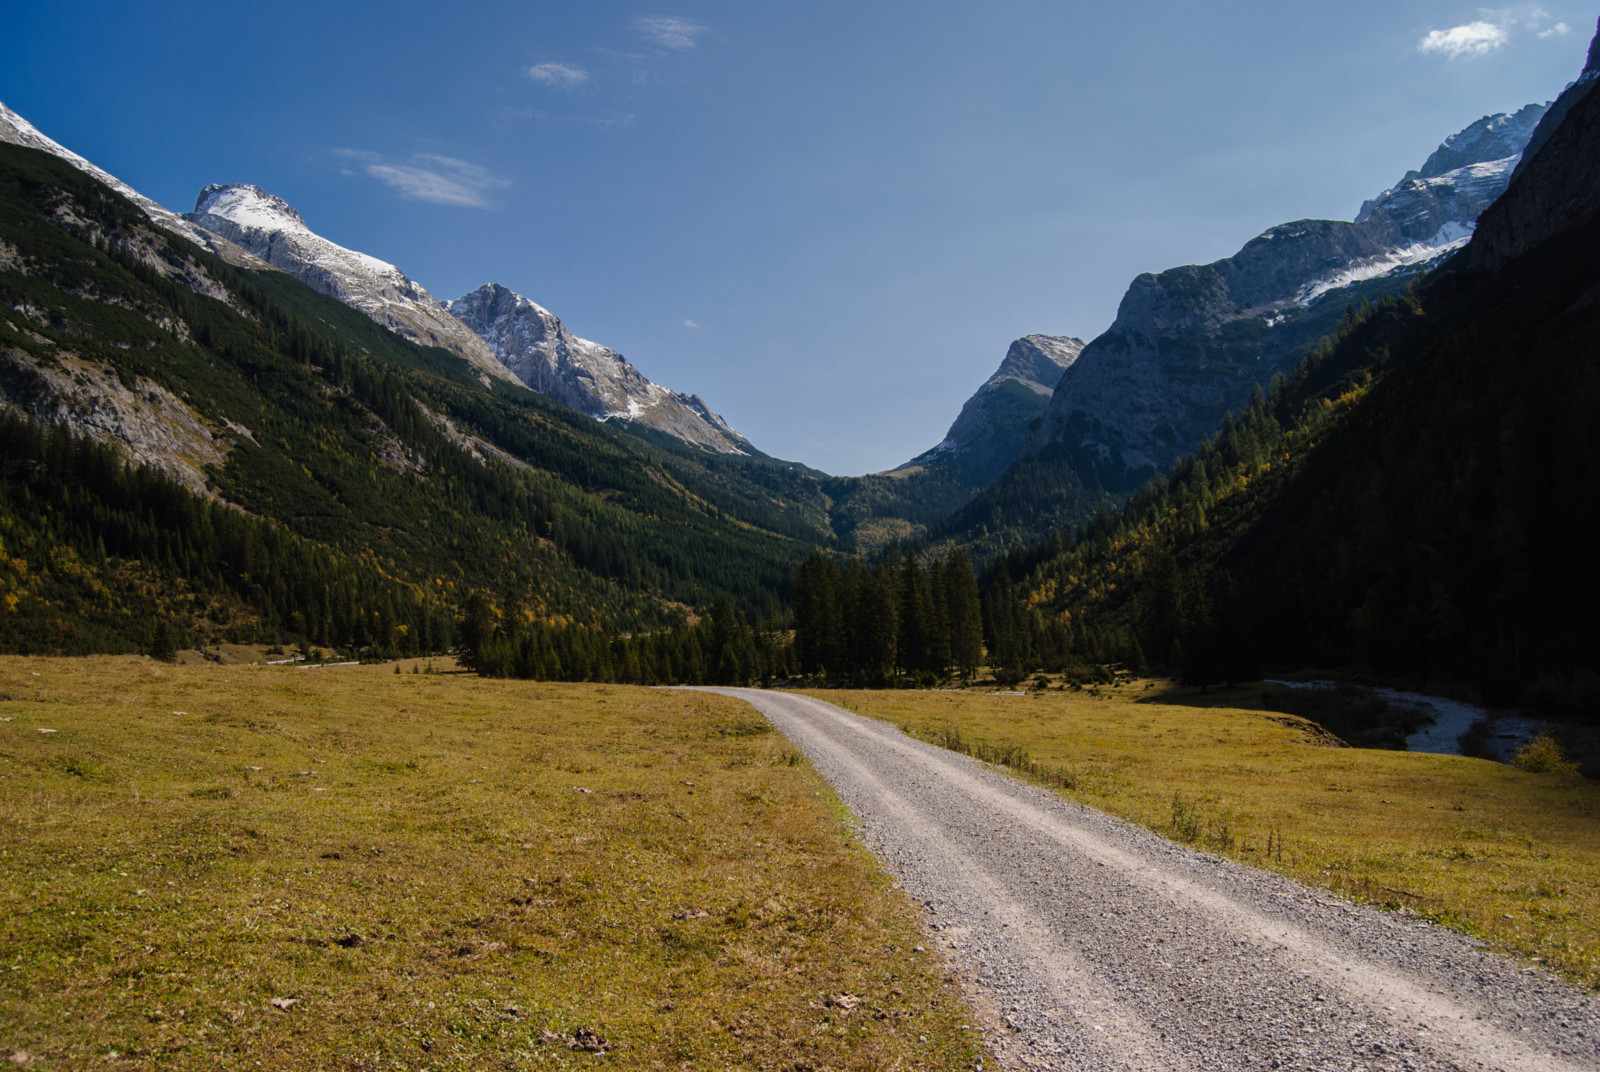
1089,943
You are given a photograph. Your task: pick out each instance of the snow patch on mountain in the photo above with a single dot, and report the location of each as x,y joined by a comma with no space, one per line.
1449,238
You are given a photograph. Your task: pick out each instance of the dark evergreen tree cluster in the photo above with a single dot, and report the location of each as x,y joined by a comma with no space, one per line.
722,648
881,624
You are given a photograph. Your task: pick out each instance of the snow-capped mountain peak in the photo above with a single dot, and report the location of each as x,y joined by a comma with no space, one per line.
585,375
269,227
249,205
1492,138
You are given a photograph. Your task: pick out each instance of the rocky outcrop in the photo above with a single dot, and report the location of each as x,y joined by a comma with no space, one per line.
987,435
1190,344
269,228
533,343
143,421
1559,184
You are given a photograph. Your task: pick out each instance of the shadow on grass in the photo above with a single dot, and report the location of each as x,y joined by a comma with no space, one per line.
1355,715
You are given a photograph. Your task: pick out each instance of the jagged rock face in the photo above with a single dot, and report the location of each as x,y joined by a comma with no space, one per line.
991,428
1190,344
1559,184
265,225
18,131
533,343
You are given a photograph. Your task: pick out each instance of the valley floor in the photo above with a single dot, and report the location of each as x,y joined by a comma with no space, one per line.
215,867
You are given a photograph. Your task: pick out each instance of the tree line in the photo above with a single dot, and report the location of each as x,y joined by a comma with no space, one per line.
875,625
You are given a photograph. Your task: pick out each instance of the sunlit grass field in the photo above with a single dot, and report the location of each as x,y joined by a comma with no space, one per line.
1511,857
216,867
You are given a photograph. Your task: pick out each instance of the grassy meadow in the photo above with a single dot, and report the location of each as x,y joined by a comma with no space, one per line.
216,867
1511,857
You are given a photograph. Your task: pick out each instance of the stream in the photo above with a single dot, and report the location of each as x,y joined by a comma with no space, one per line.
1450,719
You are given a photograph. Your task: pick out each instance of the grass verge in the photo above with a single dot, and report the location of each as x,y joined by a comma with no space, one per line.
251,867
1508,856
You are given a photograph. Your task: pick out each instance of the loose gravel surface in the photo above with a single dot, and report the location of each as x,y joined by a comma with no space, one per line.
1089,943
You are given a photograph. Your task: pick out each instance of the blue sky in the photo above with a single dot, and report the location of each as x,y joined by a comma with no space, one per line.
827,218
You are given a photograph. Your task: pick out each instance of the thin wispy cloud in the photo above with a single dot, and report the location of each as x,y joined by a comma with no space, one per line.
1556,31
669,31
440,180
1472,39
565,75
690,324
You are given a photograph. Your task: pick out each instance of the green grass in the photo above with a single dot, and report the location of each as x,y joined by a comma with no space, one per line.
434,871
1510,856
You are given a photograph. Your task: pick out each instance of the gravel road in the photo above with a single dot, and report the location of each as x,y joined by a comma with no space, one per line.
1088,943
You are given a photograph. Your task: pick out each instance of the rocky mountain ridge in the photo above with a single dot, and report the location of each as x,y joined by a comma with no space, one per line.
18,131
1191,343
533,343
500,333
992,425
268,227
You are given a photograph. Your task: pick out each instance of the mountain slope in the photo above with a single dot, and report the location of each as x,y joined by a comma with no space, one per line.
1188,345
993,424
1416,499
1560,192
388,465
1193,343
18,131
534,344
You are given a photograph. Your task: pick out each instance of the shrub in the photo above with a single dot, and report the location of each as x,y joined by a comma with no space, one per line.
1543,755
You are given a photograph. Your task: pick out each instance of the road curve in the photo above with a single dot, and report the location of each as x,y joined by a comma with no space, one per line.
1094,944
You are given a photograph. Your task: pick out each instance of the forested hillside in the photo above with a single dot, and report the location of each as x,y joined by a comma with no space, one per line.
387,464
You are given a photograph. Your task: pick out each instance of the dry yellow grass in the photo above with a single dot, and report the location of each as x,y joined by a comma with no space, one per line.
434,871
1509,856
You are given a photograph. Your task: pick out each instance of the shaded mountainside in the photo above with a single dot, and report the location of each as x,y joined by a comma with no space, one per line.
1192,343
1560,190
1415,499
992,426
1188,345
389,460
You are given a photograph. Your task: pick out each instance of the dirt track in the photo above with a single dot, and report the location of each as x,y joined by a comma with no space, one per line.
1090,943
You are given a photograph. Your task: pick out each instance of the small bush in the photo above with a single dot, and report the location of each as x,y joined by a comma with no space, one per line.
1543,755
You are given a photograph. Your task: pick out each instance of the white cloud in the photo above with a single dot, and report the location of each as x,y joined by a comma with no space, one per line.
1473,39
690,324
1556,31
669,31
558,74
442,180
